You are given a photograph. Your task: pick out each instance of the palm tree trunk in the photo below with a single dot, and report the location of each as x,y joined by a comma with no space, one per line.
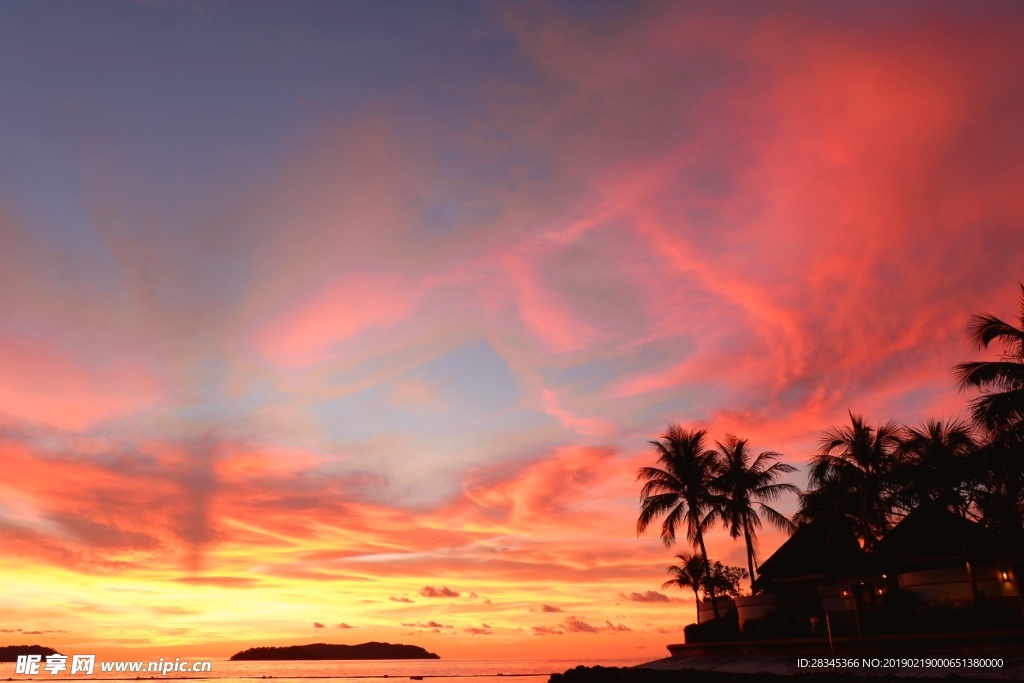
967,562
696,597
865,524
707,575
750,555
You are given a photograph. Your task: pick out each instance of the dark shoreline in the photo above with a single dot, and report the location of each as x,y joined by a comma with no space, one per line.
600,674
791,661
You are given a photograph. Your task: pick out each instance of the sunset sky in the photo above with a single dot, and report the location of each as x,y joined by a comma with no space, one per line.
350,321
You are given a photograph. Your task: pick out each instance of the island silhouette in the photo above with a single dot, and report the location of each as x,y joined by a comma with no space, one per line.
371,650
10,653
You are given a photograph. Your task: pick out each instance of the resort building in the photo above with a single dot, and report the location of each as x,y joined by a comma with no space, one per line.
822,581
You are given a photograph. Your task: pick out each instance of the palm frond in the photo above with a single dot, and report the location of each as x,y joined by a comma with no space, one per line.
672,520
773,492
652,507
777,519
996,411
997,375
985,328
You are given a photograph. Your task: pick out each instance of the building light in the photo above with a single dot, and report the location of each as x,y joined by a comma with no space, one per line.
1006,575
846,594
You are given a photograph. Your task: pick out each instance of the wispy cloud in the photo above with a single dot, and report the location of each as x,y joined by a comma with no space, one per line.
429,624
647,596
577,625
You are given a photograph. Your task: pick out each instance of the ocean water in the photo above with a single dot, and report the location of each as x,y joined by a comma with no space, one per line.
352,671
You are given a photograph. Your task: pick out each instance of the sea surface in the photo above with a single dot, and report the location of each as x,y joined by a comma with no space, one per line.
353,671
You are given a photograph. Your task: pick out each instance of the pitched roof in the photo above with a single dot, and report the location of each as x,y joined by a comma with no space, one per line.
815,551
933,536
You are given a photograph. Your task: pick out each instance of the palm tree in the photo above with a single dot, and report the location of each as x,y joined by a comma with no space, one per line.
939,466
689,573
1000,408
830,504
1000,492
856,462
680,489
939,463
745,489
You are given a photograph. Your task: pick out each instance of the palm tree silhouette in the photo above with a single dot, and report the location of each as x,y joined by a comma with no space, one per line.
855,462
999,496
1000,408
939,467
689,573
938,463
830,504
745,488
680,490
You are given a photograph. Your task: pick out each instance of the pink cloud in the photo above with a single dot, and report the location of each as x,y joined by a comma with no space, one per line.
442,592
71,400
796,263
544,314
584,425
577,625
533,494
646,596
547,631
312,331
430,624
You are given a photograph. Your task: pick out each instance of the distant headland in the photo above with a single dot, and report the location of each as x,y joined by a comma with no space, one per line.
328,651
10,653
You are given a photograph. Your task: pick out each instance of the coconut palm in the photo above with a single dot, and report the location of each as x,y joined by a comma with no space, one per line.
745,490
855,461
689,573
1000,494
680,489
938,463
940,467
1000,408
831,505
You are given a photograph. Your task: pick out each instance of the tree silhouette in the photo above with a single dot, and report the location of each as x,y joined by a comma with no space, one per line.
745,488
855,463
689,573
939,463
680,489
1000,408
